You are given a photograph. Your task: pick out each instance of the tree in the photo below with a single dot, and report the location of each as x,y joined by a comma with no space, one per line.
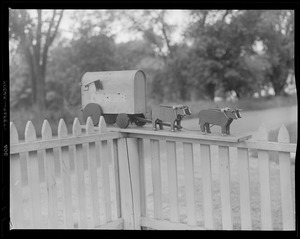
222,40
35,36
276,31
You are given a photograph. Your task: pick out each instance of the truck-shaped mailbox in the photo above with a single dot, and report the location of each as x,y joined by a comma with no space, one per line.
120,96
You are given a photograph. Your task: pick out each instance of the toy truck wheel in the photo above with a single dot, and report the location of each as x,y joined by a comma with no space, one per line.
110,118
138,122
123,121
94,111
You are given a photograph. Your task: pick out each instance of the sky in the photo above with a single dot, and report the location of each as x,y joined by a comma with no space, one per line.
178,17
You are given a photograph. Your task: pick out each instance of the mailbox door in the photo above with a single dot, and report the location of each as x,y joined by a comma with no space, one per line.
140,104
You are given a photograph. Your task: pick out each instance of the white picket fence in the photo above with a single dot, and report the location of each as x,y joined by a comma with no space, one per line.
135,178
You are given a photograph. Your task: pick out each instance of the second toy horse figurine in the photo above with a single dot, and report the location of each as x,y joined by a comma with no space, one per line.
222,117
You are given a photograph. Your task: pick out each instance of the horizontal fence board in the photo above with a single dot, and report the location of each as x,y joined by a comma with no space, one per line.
182,134
60,142
250,144
117,224
167,225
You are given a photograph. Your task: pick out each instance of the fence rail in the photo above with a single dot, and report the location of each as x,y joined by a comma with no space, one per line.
133,178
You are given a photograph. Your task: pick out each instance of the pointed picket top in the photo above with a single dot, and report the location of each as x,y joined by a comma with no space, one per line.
262,133
62,131
46,130
30,133
14,137
102,125
283,135
76,127
89,126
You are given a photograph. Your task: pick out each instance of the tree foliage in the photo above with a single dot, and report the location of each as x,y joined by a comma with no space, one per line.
220,53
35,36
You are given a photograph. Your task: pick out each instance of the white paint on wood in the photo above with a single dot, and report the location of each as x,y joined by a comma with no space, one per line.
16,203
50,177
167,225
225,185
286,183
102,125
264,179
105,179
125,185
92,166
64,159
79,169
33,176
142,176
117,177
172,180
134,166
243,167
156,178
207,185
189,183
117,224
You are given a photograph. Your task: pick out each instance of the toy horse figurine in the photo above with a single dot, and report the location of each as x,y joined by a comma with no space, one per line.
222,117
169,115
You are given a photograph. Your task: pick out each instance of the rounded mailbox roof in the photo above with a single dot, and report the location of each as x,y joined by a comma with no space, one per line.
128,75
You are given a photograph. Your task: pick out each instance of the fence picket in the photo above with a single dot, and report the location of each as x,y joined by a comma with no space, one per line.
285,182
225,187
92,165
64,159
172,180
207,185
243,167
156,178
130,176
50,176
134,167
102,125
33,176
117,177
16,202
264,179
189,182
106,180
125,185
79,168
143,199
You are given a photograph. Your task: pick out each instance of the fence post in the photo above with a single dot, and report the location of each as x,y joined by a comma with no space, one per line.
129,182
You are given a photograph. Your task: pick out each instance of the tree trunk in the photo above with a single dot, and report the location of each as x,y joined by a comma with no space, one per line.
210,90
